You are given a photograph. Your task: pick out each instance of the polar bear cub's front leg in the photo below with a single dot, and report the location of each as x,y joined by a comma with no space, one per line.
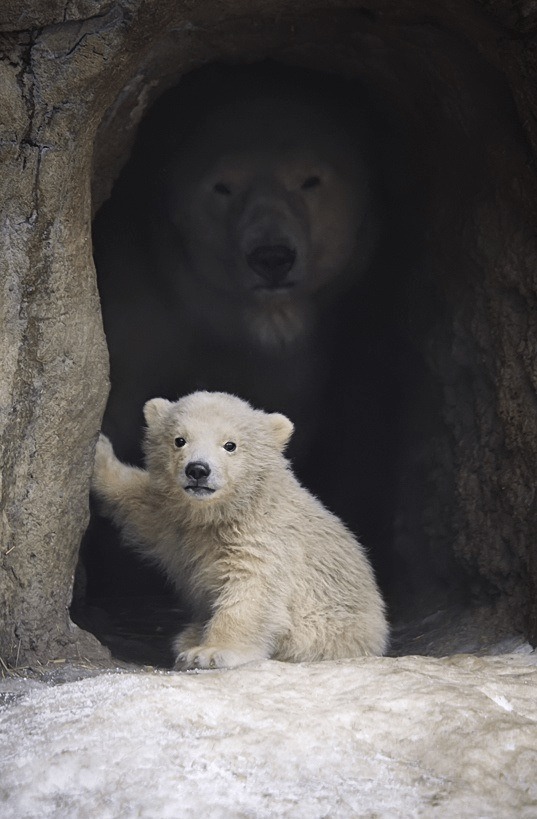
113,480
124,492
235,635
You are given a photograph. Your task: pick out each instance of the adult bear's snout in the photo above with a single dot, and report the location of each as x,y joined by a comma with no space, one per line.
197,470
272,263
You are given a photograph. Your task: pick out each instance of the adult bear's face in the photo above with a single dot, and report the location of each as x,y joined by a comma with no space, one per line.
268,200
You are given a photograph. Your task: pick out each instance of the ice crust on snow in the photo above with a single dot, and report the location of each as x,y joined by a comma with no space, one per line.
376,737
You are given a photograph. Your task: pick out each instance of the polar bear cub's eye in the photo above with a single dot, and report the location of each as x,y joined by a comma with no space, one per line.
179,442
311,182
222,189
229,446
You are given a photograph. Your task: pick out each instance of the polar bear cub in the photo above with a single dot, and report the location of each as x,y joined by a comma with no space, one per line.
266,568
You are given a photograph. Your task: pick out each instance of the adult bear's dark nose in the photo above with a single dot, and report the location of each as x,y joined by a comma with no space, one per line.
272,263
197,470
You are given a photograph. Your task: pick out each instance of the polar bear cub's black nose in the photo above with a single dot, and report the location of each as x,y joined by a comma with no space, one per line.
272,263
197,470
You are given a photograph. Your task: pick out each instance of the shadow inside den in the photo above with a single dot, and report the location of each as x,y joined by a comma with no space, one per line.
275,234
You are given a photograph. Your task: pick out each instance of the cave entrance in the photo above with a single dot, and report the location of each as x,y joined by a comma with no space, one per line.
414,351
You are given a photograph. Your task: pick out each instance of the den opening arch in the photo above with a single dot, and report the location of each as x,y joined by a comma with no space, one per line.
450,145
453,96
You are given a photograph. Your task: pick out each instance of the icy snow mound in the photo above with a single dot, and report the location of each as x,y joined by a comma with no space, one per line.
410,736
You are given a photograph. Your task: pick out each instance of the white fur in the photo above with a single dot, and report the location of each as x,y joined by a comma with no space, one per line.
268,571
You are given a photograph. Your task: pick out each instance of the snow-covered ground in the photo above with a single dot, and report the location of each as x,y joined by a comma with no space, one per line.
390,737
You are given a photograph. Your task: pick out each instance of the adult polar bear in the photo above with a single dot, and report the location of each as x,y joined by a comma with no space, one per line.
246,209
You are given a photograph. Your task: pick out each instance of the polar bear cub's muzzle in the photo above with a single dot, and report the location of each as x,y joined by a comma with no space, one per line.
199,479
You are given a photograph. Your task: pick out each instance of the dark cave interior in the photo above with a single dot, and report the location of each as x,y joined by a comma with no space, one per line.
415,347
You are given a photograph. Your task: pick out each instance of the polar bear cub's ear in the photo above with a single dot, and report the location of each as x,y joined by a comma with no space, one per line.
156,409
281,427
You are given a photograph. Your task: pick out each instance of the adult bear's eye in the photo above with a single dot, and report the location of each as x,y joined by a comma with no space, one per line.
229,446
311,182
222,189
179,442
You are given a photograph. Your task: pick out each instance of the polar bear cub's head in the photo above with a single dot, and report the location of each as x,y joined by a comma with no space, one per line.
210,447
